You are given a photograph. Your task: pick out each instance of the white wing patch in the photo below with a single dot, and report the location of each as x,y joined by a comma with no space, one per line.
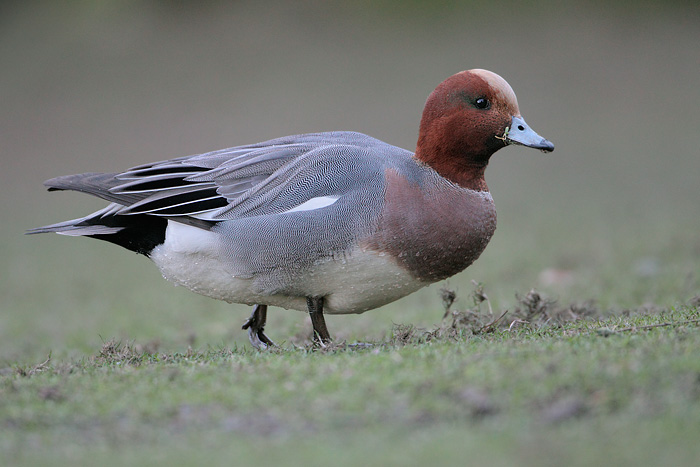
315,203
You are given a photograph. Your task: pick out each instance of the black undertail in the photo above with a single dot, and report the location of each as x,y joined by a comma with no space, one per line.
140,233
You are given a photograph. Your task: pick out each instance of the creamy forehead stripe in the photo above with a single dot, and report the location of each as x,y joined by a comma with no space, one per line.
498,84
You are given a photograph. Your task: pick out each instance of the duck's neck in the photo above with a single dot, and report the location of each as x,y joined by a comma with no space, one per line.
456,167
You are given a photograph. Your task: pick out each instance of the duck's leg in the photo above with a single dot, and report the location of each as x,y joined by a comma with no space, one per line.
256,325
321,334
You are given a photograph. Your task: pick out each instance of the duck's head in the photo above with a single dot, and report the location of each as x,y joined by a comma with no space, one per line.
467,118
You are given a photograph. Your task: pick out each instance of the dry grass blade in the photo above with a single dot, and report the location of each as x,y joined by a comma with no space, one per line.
490,327
606,331
38,368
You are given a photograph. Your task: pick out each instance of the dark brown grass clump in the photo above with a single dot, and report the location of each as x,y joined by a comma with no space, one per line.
114,351
533,310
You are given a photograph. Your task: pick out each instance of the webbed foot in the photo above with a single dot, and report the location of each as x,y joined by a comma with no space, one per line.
255,326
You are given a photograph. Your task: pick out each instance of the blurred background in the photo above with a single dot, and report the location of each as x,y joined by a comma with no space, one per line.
612,216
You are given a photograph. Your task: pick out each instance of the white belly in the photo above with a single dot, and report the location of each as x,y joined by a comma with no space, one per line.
358,281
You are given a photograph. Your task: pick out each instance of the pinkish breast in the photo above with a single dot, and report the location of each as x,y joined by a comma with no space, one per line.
433,231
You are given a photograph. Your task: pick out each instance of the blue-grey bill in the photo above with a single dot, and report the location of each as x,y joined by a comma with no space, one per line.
521,133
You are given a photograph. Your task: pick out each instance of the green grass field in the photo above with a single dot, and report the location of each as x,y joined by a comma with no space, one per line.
622,391
104,362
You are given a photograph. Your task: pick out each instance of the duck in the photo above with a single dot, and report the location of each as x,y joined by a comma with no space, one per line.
333,222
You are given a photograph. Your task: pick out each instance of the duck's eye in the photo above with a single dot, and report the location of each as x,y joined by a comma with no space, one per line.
481,103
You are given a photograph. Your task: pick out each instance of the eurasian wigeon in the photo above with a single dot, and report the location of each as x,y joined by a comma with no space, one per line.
335,222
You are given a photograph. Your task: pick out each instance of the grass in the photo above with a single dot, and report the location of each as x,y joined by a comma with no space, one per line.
461,390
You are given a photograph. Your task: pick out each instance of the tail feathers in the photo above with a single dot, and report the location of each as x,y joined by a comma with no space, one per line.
96,184
73,228
140,233
136,232
85,226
